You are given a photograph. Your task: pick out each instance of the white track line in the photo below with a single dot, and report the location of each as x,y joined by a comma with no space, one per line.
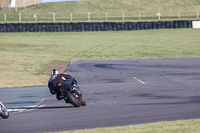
141,82
26,108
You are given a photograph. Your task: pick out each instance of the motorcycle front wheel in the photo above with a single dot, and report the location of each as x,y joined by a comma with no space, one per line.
72,99
3,111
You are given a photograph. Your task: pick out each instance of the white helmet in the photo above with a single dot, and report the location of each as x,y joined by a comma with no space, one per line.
54,72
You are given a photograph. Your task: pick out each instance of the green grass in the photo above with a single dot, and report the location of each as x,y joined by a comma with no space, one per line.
24,55
183,126
114,8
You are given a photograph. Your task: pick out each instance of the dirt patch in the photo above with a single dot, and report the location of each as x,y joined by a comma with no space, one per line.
60,66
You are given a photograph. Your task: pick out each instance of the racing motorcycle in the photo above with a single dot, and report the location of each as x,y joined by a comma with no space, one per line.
3,111
71,93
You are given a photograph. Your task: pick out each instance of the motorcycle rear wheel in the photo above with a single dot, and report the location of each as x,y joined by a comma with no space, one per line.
3,111
72,99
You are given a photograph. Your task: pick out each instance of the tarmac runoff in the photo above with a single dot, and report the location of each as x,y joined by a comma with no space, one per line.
23,98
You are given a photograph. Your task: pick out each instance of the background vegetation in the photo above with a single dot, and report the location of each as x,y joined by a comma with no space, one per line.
104,10
116,6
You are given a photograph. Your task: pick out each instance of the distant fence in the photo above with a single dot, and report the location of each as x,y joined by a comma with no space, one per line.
97,17
92,26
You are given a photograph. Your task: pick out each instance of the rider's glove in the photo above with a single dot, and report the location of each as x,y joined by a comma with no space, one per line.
74,81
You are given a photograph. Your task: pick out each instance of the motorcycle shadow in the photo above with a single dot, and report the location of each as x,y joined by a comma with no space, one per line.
55,107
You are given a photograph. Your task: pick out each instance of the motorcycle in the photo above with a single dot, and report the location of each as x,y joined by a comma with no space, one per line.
3,111
71,93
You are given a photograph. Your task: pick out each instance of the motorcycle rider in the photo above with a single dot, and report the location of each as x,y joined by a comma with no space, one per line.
56,79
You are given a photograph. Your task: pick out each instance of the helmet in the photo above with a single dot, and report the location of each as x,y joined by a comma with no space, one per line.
54,72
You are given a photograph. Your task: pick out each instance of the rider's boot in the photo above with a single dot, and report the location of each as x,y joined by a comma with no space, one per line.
59,96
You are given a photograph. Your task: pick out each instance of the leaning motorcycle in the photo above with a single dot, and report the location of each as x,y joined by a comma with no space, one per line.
71,93
3,111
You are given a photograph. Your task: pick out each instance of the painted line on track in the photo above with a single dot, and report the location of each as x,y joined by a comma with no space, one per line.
23,109
26,108
141,82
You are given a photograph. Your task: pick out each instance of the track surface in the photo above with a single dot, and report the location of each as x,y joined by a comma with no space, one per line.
119,92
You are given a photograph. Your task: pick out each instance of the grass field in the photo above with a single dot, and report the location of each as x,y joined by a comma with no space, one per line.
104,10
116,6
27,58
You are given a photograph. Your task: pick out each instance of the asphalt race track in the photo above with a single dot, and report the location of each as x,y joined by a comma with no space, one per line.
118,92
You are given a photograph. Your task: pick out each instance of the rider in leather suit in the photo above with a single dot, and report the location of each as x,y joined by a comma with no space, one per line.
55,79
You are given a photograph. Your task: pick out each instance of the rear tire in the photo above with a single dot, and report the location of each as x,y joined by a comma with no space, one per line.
72,99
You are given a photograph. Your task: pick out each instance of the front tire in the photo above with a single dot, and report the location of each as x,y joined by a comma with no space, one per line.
3,111
72,99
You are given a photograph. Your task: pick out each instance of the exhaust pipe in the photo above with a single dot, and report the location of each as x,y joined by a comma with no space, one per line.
77,90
